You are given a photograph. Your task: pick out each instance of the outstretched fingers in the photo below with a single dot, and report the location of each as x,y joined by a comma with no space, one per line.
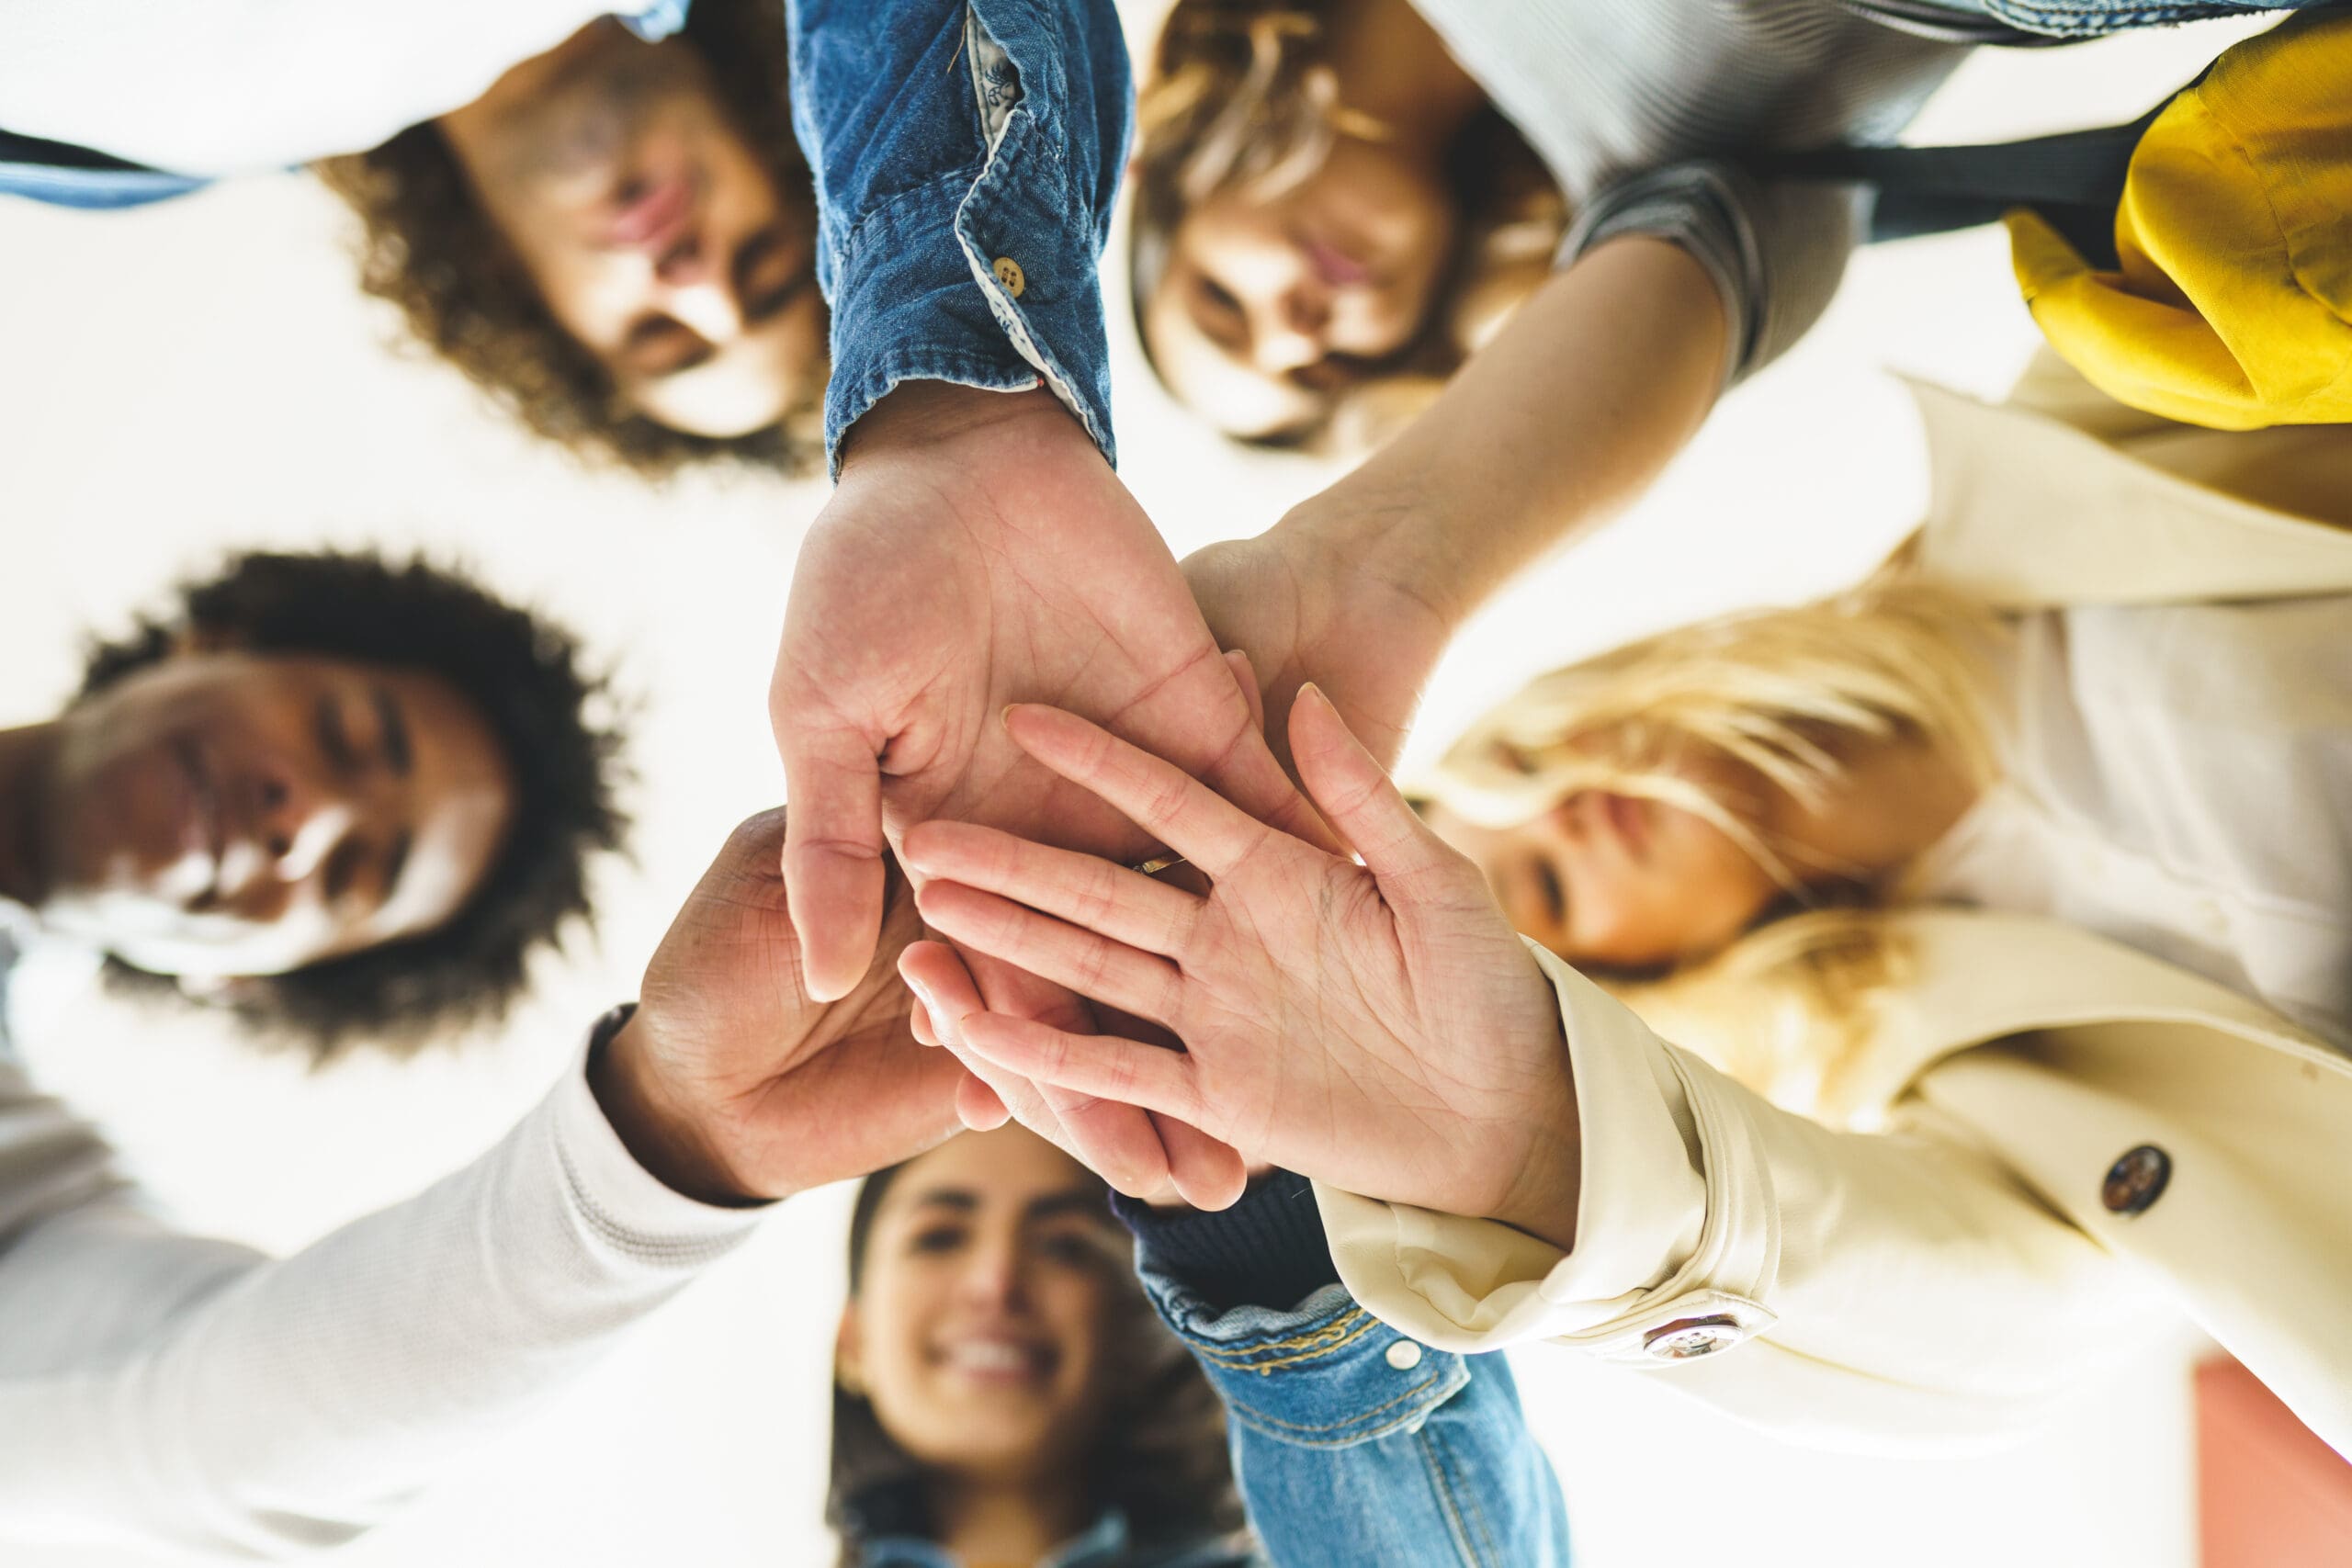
1156,796
1355,793
1086,890
1094,966
1102,1066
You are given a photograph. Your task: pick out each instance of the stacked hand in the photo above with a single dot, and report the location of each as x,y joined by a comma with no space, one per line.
979,552
1377,1026
732,1083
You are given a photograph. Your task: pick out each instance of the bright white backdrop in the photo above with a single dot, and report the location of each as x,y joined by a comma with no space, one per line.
178,380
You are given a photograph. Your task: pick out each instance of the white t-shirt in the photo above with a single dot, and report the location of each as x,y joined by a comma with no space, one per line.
242,86
2179,778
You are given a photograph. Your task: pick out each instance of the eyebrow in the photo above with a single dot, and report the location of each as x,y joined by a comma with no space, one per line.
392,733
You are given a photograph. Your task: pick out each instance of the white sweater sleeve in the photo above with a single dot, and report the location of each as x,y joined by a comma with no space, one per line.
173,1390
242,86
1846,1288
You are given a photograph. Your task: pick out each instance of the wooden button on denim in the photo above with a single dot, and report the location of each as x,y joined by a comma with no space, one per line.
1008,272
2136,1180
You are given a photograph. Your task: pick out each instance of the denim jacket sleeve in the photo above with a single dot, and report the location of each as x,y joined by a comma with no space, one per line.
965,154
1355,1445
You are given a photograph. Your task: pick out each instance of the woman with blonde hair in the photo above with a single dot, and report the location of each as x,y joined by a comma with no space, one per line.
2115,1093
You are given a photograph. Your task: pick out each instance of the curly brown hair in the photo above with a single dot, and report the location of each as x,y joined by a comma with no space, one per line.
428,247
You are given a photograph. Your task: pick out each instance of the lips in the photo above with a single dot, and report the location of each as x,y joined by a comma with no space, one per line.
989,1359
1334,266
653,215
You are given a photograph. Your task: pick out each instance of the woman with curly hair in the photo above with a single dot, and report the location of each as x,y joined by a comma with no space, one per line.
616,241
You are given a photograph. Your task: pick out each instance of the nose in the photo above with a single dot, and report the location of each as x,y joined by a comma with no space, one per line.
696,290
992,1277
1296,333
298,822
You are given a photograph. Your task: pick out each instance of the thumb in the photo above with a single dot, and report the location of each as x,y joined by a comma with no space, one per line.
1355,795
832,856
1246,677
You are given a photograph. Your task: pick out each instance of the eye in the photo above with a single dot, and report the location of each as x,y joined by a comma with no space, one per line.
334,735
936,1239
1219,297
1554,897
662,345
1074,1249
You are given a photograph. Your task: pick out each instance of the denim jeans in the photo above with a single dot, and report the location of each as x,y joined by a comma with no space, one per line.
1358,1447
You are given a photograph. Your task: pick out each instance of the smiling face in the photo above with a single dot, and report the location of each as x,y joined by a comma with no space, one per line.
653,233
1272,304
224,814
1619,880
980,1320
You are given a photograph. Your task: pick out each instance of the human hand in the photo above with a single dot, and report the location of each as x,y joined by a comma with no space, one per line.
731,1084
1377,1026
1310,602
979,552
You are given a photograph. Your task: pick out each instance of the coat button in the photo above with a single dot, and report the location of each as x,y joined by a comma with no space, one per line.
1008,272
1404,1355
1686,1339
2136,1180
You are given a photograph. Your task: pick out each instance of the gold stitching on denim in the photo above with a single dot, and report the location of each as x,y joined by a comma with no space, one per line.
1312,1346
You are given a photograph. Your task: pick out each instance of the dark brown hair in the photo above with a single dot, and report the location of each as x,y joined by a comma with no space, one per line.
1160,1460
1241,93
427,246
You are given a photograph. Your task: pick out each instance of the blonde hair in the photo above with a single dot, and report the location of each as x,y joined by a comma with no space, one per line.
1790,695
1241,95
1786,693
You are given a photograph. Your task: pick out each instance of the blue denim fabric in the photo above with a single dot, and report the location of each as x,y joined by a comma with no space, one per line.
65,175
1354,1454
1104,1546
915,208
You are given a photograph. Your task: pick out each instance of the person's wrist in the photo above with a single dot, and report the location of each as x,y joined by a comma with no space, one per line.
917,415
1545,1179
1376,537
659,1128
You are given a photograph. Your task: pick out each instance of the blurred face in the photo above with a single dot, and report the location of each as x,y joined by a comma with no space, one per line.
979,1329
225,814
1272,304
656,236
1618,880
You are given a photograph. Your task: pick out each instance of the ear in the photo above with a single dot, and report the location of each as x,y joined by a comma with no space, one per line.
849,1353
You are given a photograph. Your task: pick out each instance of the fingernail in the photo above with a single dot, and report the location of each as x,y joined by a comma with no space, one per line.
1005,715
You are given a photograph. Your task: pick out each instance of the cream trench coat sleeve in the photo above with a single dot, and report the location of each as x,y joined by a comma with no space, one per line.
1941,1278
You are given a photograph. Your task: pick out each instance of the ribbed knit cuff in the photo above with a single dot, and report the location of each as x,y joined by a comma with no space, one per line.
1266,1251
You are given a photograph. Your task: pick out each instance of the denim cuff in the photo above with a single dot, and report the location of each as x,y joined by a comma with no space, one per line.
1328,1375
920,289
1266,1251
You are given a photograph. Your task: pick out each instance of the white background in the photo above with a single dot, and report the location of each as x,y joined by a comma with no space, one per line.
184,378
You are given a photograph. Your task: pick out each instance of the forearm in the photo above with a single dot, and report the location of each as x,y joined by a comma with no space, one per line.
1835,1286
163,1388
1569,413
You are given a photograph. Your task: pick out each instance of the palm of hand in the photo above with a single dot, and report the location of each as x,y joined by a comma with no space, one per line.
797,1092
1372,1048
